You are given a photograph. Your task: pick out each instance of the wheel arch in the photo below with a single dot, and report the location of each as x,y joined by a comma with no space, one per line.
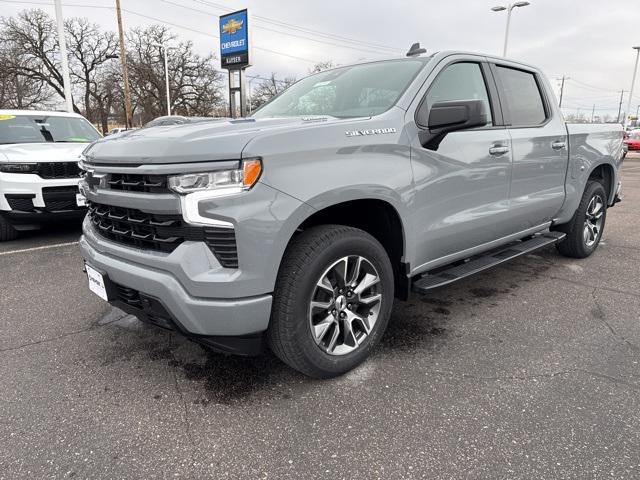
606,174
376,216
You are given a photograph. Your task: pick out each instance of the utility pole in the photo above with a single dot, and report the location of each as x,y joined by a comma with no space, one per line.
163,49
593,111
633,81
562,89
620,106
64,61
125,75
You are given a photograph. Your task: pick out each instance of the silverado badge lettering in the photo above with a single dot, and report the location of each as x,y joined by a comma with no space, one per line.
373,131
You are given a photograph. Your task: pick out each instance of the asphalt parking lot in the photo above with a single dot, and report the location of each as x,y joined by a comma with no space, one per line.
528,371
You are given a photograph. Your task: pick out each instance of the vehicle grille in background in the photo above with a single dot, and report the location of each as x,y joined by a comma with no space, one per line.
58,170
60,198
23,203
131,182
163,233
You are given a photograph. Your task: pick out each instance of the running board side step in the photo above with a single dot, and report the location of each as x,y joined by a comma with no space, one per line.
473,265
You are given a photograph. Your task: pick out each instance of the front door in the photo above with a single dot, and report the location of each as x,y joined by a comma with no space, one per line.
461,194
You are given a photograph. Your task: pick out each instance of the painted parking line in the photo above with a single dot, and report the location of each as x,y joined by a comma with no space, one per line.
34,249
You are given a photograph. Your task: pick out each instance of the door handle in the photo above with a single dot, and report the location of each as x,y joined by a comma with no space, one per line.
498,150
559,145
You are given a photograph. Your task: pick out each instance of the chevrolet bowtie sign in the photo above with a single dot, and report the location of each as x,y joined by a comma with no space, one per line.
234,40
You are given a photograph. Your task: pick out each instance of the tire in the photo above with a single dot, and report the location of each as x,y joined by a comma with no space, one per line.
579,243
302,334
7,232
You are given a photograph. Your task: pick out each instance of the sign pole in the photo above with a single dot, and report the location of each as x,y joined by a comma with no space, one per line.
243,92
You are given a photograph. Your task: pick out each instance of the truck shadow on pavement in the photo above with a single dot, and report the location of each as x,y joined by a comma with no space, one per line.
424,325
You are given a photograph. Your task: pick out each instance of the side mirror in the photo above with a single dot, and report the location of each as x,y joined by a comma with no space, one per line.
446,117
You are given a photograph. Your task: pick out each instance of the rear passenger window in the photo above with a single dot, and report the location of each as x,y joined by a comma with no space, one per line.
524,101
460,81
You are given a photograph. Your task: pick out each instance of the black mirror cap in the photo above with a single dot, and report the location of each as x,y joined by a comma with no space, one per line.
454,115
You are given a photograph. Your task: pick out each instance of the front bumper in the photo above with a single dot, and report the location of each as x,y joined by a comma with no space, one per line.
196,316
28,200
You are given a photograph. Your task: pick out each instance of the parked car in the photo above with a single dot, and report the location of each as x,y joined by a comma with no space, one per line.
632,140
176,120
299,225
39,173
116,131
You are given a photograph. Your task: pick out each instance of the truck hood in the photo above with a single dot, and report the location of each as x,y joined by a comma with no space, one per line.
218,139
41,152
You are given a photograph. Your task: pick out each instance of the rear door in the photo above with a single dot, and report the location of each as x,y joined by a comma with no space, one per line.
462,186
539,146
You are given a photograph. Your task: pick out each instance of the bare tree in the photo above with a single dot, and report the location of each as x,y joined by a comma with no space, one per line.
269,88
322,66
18,91
89,49
30,72
194,83
32,35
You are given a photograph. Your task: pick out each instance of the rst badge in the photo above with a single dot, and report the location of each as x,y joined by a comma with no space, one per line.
371,131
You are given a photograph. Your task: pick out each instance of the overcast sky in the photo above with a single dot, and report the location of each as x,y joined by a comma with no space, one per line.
587,40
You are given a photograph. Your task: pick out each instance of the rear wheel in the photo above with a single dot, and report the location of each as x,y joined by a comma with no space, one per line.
7,232
584,231
332,300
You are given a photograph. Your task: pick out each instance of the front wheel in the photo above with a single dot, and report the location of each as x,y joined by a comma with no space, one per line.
332,300
584,231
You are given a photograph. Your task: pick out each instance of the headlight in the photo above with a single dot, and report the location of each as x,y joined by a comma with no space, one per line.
18,167
221,182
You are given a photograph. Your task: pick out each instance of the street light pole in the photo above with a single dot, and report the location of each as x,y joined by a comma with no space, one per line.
64,61
163,49
508,8
633,81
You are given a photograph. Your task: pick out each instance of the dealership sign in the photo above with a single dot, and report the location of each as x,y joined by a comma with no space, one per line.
234,40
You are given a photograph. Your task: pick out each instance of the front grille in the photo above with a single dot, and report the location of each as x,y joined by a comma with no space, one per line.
60,198
58,170
162,233
133,182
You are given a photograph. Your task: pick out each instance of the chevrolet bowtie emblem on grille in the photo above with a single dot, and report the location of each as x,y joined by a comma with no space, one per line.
232,26
372,131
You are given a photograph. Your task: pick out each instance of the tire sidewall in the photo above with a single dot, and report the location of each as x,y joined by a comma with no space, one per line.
357,244
594,188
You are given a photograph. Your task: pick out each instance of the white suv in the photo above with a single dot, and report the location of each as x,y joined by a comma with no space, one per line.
39,174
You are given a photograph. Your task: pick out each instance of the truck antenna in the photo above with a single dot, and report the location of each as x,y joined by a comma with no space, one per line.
415,50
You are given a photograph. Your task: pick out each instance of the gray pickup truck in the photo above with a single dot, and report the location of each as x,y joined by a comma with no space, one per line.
298,226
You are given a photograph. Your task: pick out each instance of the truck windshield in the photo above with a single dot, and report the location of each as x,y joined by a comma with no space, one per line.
356,91
44,128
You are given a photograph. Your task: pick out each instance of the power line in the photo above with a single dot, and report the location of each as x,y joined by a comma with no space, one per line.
362,49
303,29
155,19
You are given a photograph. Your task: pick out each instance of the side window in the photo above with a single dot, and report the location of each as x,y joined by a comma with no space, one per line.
524,101
460,81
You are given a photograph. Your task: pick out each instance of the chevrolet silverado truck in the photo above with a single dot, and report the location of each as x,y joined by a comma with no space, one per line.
39,173
297,227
